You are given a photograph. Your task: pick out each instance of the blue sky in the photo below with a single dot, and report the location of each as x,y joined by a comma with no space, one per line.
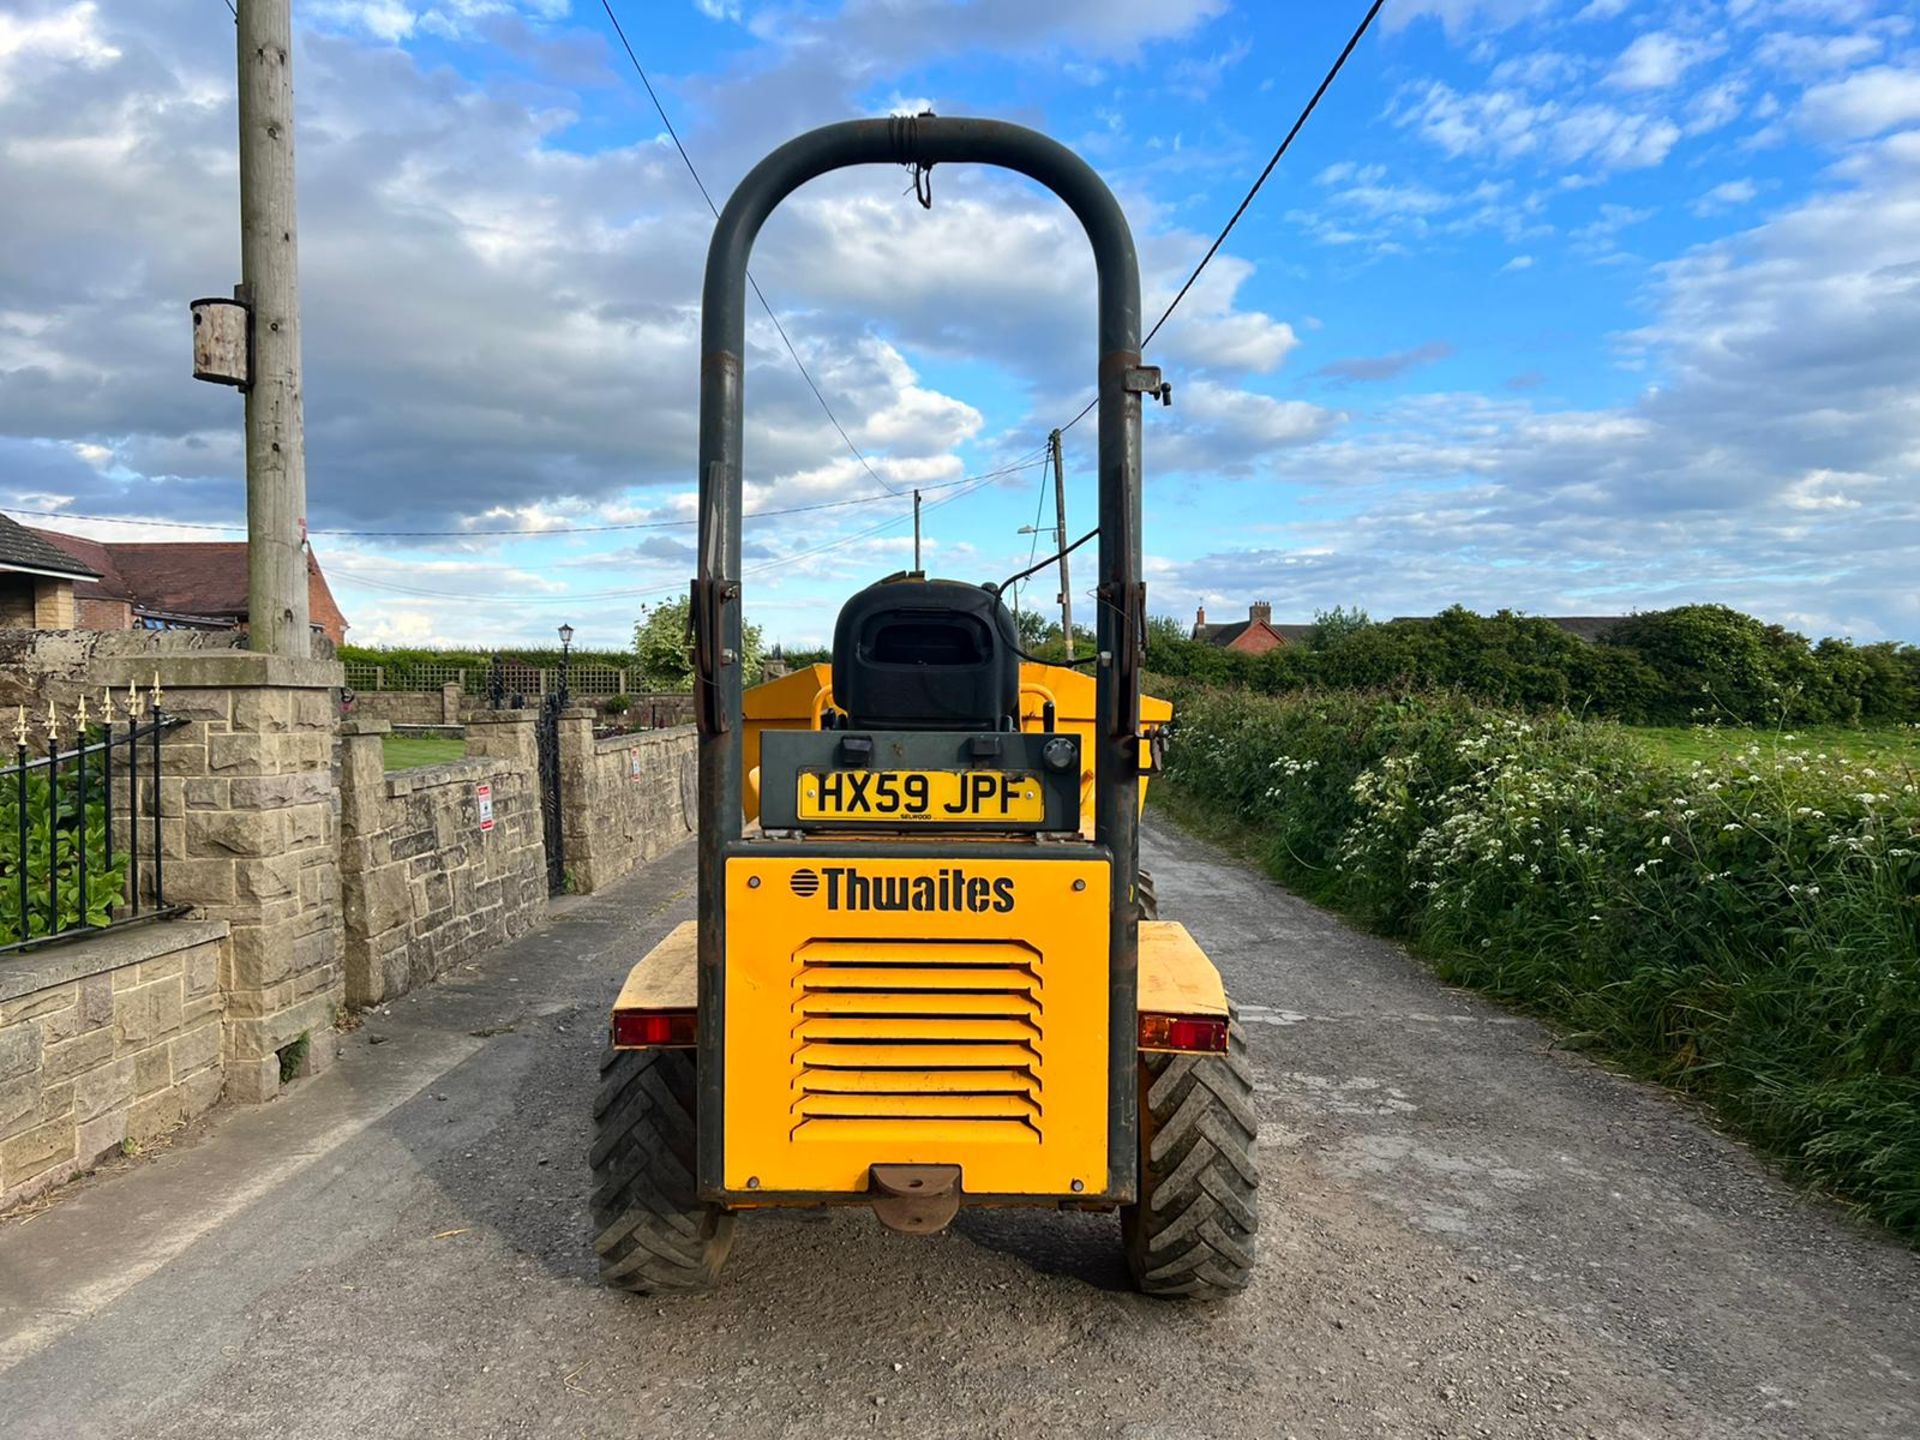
1575,306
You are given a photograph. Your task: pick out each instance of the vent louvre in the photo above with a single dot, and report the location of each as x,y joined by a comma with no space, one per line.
892,1039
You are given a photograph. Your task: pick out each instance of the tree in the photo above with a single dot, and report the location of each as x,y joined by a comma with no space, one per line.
1031,627
1330,627
663,645
1165,631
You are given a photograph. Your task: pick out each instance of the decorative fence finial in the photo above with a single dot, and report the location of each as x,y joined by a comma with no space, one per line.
106,704
156,691
53,723
80,716
133,701
20,727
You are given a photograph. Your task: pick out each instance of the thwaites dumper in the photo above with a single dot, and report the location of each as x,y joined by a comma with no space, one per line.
926,970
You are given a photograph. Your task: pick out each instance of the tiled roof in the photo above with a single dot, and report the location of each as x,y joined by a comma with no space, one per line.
1227,633
24,549
204,579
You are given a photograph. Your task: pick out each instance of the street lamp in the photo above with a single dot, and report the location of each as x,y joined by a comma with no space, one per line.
566,652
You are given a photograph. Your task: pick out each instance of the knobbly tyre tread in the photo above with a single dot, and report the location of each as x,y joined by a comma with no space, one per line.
652,1232
1194,1232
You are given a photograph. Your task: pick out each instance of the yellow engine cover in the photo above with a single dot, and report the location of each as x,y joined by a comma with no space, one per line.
939,1011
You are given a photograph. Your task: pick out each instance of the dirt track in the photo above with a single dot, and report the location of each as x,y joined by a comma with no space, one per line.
1466,1232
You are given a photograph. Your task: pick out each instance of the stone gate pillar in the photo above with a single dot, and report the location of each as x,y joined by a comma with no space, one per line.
249,803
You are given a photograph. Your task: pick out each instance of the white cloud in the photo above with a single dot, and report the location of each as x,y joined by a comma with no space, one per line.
1508,125
1463,16
61,37
1516,264
1725,196
1862,104
1657,60
1775,466
1805,56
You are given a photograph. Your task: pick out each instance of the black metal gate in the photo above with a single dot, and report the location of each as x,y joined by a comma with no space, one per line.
547,730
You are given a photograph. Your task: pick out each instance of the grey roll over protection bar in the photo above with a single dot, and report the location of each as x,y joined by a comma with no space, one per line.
920,141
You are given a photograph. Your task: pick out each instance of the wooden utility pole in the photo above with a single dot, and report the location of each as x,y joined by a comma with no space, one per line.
1060,536
270,284
916,532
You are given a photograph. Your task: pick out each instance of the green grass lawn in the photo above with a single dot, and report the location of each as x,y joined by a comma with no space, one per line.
406,753
1883,745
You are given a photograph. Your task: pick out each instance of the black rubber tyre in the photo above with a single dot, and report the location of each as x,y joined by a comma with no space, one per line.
1193,1232
653,1234
1145,899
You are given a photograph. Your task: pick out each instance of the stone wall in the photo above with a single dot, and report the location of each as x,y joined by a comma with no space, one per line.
424,888
409,707
59,665
109,1039
624,800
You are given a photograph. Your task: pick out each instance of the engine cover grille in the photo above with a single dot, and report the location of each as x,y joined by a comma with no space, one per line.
890,1037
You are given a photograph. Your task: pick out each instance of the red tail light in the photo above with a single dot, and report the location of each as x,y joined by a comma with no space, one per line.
653,1029
1184,1034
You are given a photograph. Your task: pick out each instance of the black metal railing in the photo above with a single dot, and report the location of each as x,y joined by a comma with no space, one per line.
81,848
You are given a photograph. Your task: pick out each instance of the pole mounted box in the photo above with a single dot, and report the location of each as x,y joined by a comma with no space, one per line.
222,335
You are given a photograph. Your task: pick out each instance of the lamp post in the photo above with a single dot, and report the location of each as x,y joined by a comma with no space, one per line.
566,657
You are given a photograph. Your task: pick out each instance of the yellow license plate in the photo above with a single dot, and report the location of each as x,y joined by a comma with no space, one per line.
933,797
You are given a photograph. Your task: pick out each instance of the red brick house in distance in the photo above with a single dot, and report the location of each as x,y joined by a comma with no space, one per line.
1254,635
51,581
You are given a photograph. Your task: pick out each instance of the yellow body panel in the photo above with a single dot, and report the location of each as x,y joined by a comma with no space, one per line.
799,700
970,1031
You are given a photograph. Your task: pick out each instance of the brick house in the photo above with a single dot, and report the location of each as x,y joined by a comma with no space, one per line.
51,581
1254,635
37,580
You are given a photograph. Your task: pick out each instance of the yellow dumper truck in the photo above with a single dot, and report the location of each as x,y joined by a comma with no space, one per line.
926,971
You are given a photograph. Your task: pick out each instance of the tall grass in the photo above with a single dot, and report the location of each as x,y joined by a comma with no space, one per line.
1746,929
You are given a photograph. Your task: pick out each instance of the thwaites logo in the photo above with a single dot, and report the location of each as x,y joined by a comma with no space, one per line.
949,888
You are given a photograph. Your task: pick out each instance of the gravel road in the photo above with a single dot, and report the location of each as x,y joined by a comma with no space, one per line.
1466,1231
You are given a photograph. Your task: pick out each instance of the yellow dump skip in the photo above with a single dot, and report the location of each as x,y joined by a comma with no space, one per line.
667,977
1176,977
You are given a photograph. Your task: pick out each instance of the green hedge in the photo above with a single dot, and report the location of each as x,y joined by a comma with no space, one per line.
400,657
1664,667
56,825
1748,931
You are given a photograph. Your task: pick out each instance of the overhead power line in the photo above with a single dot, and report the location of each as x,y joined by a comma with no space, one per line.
1286,143
1299,123
687,160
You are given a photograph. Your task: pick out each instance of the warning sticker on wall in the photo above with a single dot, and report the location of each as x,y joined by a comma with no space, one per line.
483,802
635,770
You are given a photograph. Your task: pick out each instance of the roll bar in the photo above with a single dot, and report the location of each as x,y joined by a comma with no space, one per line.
920,140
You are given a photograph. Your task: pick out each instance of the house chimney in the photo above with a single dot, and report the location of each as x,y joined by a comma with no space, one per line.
1199,616
1260,612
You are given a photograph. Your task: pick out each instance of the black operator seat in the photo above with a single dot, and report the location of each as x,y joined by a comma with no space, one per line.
916,654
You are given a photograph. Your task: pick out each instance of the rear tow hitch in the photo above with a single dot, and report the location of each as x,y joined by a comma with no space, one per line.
915,1199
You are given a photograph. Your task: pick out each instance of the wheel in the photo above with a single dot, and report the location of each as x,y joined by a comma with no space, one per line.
653,1234
1194,1229
1145,899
